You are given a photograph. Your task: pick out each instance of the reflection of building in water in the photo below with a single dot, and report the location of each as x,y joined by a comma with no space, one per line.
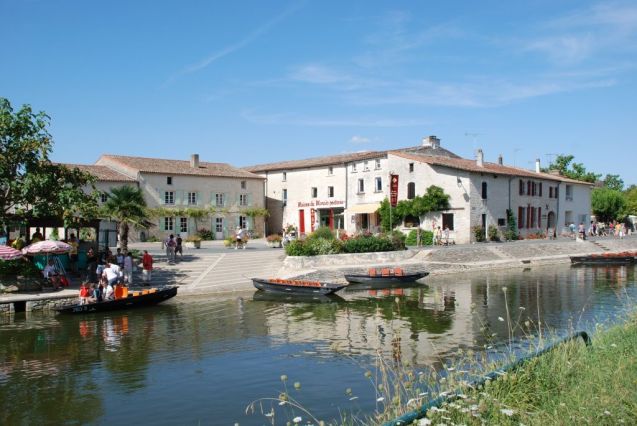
415,328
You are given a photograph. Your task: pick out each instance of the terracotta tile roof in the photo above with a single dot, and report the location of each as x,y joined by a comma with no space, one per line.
176,167
316,161
472,166
101,173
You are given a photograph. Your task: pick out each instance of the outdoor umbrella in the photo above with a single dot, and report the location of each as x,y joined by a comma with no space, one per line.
47,247
9,253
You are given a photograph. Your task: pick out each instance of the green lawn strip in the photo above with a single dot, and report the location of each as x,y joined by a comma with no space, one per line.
570,385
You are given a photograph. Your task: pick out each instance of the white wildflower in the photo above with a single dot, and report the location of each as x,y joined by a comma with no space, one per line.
353,398
282,403
607,413
504,289
381,399
424,422
270,414
500,319
423,393
522,308
297,419
507,411
450,369
562,404
612,345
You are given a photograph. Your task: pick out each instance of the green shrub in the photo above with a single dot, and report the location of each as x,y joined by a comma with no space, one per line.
427,238
397,239
152,239
20,267
493,233
367,244
412,238
478,233
323,232
295,248
206,234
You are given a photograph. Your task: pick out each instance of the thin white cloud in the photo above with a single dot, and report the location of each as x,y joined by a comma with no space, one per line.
359,140
251,37
600,30
291,119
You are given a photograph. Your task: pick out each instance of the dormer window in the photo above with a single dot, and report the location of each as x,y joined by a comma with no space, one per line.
330,170
169,180
365,165
377,165
353,167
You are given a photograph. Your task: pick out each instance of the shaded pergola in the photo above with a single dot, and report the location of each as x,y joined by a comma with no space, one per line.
58,222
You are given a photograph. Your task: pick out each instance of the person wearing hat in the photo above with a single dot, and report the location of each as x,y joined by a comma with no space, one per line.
240,236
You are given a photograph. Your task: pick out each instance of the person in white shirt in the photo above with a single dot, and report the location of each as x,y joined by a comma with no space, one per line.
112,272
51,274
109,293
128,269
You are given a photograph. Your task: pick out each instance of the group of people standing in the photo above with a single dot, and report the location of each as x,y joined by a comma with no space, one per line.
173,246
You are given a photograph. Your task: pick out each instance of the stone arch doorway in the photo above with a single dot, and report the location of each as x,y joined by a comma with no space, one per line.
550,220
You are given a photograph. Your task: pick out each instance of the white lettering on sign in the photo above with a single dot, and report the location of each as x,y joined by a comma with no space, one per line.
320,203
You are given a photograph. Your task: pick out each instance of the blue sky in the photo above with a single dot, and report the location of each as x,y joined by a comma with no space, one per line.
246,82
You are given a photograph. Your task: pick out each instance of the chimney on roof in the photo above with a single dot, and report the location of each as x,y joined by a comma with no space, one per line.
480,158
431,142
194,161
500,160
537,165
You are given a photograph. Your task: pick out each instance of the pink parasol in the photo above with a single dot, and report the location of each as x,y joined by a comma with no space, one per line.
47,247
9,253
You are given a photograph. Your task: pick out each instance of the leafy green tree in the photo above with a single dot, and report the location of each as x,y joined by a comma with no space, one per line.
434,200
575,171
607,204
511,232
126,206
613,182
30,184
630,196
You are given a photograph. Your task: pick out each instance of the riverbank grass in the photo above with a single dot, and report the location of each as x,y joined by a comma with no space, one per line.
572,384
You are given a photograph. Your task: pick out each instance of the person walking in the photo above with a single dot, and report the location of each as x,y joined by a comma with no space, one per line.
170,248
128,269
179,248
240,236
147,267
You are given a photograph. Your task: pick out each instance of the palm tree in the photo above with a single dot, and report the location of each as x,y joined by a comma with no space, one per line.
126,206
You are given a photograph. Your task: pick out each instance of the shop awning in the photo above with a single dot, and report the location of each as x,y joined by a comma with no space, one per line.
364,208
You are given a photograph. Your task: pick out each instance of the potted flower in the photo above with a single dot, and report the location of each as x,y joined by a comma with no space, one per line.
274,240
194,241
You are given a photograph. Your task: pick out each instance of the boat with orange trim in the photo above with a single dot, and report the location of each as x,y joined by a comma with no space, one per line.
621,258
305,287
378,278
124,300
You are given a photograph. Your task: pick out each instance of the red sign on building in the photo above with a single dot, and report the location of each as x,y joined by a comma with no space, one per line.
393,190
312,219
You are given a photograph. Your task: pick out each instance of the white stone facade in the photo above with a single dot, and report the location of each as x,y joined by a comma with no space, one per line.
298,193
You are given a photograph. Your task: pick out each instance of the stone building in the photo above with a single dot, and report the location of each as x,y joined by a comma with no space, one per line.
226,194
344,192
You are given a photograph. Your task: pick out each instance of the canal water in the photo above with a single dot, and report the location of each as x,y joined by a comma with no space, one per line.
203,360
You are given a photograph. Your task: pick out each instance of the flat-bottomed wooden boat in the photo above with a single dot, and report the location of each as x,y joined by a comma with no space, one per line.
134,299
623,258
378,278
303,287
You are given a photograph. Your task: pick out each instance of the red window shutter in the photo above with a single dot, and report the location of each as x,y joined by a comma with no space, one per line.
528,217
539,213
540,194
521,187
520,217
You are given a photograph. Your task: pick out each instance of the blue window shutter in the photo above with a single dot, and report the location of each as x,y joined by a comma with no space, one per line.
250,222
162,223
198,195
249,199
178,197
226,201
162,196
